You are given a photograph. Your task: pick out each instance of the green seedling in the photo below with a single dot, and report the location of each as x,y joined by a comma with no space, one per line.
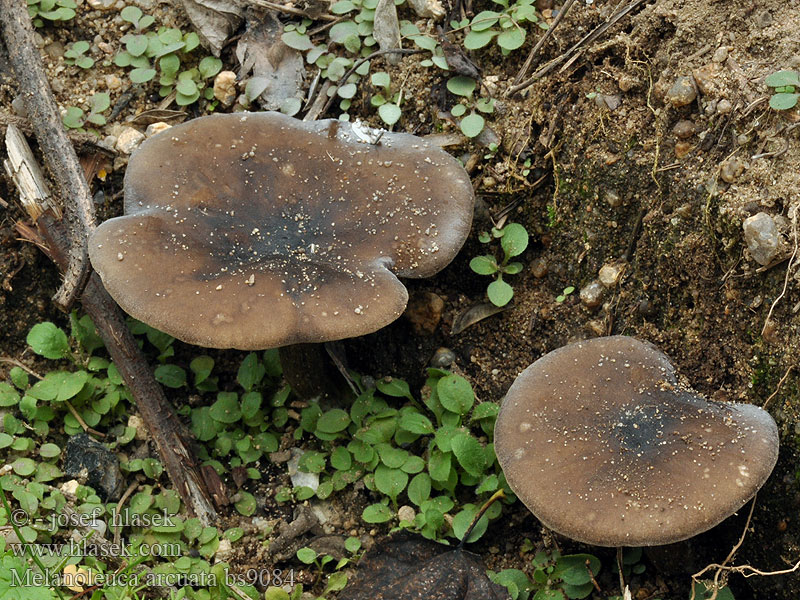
163,53
554,576
134,16
473,123
513,241
564,293
505,26
786,89
76,55
387,101
51,10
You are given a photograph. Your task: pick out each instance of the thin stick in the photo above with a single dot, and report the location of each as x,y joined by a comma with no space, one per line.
23,366
118,507
357,64
193,482
498,495
780,383
81,422
788,273
45,119
562,13
290,10
722,567
620,562
585,40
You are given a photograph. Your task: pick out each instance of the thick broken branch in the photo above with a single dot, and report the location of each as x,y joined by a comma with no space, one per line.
162,423
196,486
17,33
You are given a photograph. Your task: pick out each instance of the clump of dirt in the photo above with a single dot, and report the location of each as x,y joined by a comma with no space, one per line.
638,174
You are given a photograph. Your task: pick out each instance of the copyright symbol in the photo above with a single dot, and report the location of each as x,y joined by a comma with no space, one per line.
19,517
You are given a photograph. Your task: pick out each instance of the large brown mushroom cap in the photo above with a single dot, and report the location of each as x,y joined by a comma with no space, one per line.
255,230
604,445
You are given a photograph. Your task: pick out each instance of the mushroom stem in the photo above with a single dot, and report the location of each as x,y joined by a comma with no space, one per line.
310,372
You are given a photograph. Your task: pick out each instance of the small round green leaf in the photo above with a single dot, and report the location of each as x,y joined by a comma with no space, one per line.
783,101
484,20
469,453
226,408
478,39
209,66
499,292
455,394
376,513
419,490
306,555
47,340
483,265
333,421
461,86
142,75
783,78
514,240
511,39
390,113
171,376
472,125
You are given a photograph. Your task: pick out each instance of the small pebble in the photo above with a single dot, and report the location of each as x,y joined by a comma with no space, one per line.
613,198
646,308
113,82
627,82
128,140
761,237
225,87
682,92
592,294
406,513
55,50
101,4
443,358
224,550
707,79
684,129
539,267
724,106
720,55
731,169
155,128
682,149
610,273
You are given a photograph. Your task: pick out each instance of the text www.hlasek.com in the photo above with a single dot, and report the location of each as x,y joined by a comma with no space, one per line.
87,548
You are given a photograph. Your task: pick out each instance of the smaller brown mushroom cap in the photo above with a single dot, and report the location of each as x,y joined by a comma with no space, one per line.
603,444
256,230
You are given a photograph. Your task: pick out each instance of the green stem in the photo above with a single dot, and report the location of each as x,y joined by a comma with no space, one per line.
499,494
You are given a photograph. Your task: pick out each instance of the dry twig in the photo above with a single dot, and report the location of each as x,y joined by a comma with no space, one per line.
527,65
573,51
45,119
788,271
189,478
